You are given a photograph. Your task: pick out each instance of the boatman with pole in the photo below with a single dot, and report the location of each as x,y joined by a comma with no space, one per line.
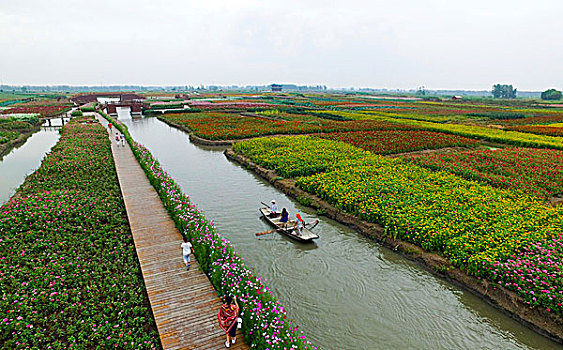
273,209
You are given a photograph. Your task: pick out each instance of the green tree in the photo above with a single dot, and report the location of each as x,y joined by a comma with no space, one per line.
421,91
503,91
551,94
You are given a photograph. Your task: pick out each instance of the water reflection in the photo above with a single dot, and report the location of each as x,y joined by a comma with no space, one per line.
56,122
347,292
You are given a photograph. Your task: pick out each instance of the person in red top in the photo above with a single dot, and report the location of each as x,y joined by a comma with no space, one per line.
299,224
228,315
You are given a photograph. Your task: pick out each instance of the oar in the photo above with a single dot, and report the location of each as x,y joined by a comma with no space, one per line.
266,232
314,223
271,231
267,206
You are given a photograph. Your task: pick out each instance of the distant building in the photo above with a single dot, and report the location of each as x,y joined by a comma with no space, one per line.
276,87
456,97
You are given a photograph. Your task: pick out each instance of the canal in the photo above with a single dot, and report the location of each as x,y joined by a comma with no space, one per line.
25,159
345,291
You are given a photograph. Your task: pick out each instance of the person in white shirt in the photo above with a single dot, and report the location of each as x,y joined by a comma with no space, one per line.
186,250
273,209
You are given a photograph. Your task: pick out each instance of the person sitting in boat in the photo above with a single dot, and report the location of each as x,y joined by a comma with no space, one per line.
299,224
274,209
284,217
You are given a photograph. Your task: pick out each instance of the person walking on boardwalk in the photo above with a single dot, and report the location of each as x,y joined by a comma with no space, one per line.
186,251
117,138
122,140
228,315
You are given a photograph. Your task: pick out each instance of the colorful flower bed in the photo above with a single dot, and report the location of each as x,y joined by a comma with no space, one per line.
301,155
538,129
535,272
538,172
548,118
69,273
395,141
223,126
45,111
265,322
229,105
484,133
472,224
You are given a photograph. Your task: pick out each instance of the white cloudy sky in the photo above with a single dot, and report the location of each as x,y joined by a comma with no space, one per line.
340,43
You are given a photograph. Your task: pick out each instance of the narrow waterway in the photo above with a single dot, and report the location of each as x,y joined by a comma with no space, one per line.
25,159
345,291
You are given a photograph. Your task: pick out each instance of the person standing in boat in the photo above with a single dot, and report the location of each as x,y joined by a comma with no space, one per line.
284,217
299,224
273,209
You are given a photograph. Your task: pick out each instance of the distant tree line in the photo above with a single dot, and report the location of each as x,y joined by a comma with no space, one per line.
503,91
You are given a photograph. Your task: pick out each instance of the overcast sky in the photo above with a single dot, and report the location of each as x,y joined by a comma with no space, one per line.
348,43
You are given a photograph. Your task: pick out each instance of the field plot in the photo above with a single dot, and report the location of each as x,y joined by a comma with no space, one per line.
225,126
476,226
546,117
69,271
537,172
398,141
538,129
473,131
44,111
302,155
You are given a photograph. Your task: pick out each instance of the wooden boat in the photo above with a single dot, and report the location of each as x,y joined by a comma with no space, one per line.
305,235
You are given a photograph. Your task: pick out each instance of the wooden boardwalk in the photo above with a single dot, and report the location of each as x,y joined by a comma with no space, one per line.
184,303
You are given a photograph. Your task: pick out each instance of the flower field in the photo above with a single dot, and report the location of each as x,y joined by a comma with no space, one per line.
44,111
397,141
538,172
485,133
301,155
69,273
538,129
229,105
224,126
265,322
552,117
474,225
535,272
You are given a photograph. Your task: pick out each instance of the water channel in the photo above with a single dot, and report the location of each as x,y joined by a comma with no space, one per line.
25,159
345,291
